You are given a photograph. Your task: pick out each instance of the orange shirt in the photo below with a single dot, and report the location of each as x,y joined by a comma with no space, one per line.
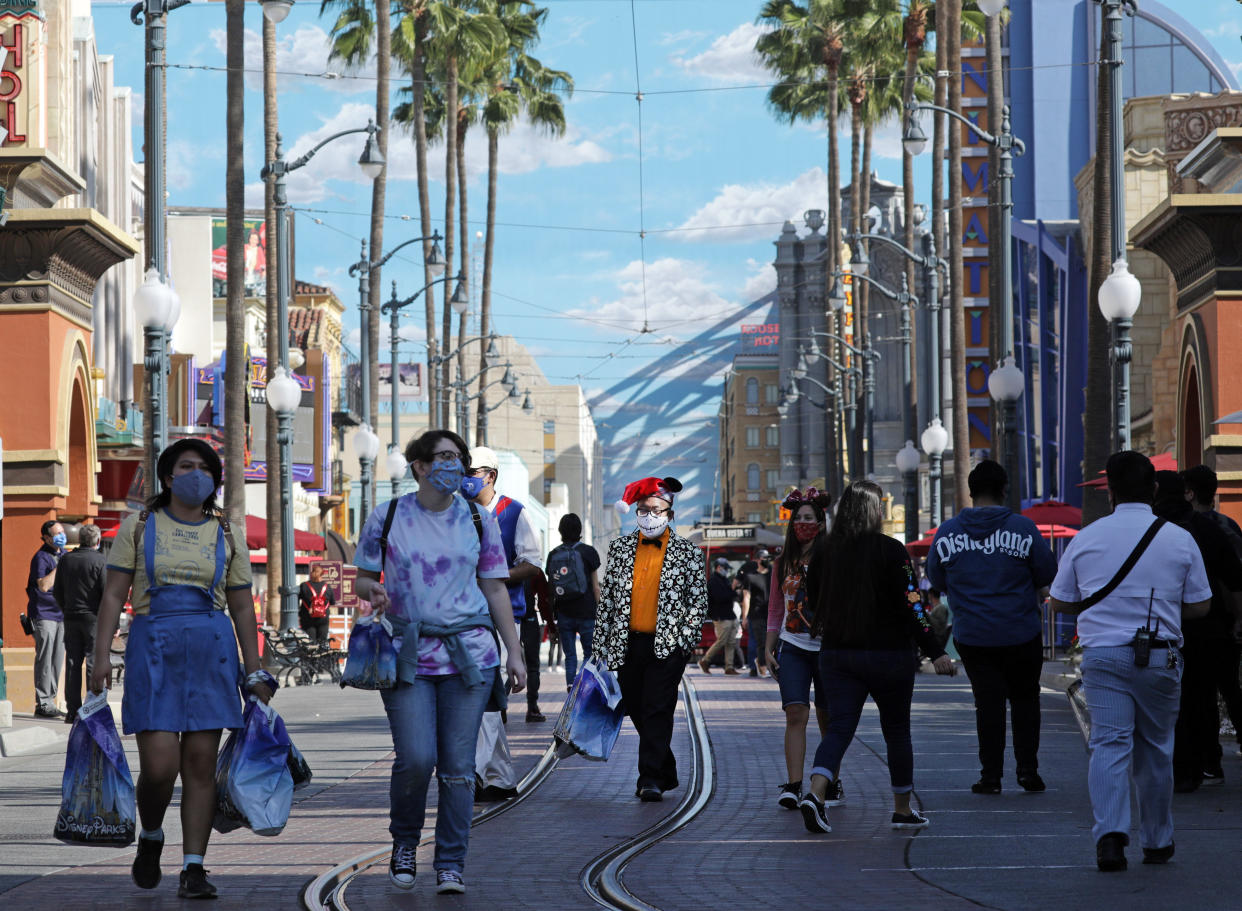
645,596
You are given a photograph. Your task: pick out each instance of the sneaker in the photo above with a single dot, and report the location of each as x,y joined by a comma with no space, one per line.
791,794
402,867
836,794
194,883
911,820
493,793
732,672
1030,781
146,869
704,666
986,786
649,793
1213,776
449,882
1110,852
534,716
814,814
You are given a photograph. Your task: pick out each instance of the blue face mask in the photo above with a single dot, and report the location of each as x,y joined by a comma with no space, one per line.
193,487
59,539
446,477
471,487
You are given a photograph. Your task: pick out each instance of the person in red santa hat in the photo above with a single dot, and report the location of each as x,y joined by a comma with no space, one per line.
651,608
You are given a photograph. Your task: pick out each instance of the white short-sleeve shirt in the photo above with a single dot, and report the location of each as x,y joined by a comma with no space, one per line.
1169,573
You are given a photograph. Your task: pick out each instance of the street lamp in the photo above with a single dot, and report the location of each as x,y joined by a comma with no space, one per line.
366,448
397,467
284,395
528,407
935,440
154,310
1120,295
1006,385
276,10
990,7
836,296
1007,145
907,462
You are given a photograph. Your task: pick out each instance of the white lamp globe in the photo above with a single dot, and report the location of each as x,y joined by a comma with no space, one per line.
152,302
283,392
935,438
366,443
914,140
1006,382
990,7
174,309
276,10
1120,293
907,459
396,464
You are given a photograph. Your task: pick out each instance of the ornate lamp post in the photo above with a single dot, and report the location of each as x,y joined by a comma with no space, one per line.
156,311
907,462
366,448
397,467
1120,295
284,395
935,440
1006,385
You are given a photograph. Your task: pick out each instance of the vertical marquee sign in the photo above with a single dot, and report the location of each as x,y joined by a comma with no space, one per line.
23,75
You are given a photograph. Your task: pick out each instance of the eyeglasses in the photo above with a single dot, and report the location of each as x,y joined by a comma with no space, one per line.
645,511
446,455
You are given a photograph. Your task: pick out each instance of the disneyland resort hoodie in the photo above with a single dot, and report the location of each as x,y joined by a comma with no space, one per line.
991,563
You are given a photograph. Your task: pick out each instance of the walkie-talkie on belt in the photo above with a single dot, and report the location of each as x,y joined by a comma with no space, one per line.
1144,635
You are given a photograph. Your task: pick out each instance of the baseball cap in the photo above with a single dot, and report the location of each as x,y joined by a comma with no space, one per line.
721,561
484,457
761,553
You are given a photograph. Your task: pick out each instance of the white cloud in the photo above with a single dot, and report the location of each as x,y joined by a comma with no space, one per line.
731,58
303,51
761,283
678,295
1225,29
683,37
748,212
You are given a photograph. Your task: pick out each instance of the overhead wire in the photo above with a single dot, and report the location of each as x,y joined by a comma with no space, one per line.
642,226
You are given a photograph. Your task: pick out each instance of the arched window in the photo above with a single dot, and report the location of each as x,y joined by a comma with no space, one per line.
752,476
752,391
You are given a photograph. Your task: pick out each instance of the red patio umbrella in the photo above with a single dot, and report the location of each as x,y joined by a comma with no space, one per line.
1165,461
1053,530
1054,512
922,546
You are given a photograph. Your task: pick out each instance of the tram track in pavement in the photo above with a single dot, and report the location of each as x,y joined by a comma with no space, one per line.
602,878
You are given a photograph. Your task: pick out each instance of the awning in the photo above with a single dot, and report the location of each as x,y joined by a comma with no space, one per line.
256,537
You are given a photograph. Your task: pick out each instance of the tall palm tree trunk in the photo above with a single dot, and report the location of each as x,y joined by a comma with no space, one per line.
1097,412
463,320
957,335
235,300
996,101
424,211
865,429
450,236
485,305
834,249
275,517
915,31
939,140
383,65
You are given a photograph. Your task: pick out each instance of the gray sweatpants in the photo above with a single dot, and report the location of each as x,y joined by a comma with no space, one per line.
49,659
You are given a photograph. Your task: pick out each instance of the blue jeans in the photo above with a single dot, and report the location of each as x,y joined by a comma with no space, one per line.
757,630
435,723
1133,711
568,628
799,669
850,676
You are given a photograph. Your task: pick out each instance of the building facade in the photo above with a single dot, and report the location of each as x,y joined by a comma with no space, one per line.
752,481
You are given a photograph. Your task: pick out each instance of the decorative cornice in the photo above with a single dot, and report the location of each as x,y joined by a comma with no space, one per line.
1199,238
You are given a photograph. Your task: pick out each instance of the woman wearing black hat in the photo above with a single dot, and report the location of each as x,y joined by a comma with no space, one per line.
185,569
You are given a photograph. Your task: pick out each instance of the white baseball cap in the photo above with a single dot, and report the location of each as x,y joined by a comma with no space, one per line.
484,457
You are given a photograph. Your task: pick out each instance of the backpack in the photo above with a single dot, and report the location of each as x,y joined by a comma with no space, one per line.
567,573
318,602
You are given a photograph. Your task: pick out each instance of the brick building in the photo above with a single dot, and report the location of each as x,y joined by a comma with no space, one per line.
750,430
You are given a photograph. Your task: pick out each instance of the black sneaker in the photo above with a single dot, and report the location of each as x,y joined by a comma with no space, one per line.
836,794
1030,781
814,814
912,820
494,794
986,786
649,793
146,869
194,883
791,794
1214,776
402,867
449,882
533,716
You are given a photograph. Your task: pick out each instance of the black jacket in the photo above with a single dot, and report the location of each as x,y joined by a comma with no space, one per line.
719,598
79,583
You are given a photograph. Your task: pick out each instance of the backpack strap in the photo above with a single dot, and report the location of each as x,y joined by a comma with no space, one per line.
383,541
228,536
478,520
138,527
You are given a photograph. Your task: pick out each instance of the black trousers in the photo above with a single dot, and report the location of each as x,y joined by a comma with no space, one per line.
530,631
1196,737
1225,656
316,628
1000,674
79,651
649,691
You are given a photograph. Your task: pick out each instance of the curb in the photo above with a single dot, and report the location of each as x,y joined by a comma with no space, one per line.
29,739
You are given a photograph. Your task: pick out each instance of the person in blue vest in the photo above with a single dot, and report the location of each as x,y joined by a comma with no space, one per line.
495,778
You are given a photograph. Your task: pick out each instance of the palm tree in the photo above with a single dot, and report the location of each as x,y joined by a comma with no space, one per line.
235,301
914,36
275,516
957,328
804,50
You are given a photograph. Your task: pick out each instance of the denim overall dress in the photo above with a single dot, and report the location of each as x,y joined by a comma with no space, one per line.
181,666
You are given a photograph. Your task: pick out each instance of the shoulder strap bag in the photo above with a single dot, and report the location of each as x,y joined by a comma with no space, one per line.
1108,589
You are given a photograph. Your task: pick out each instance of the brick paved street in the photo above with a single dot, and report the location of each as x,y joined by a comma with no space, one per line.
1016,851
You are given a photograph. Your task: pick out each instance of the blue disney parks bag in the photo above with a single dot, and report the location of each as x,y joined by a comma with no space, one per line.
371,663
254,781
97,792
591,717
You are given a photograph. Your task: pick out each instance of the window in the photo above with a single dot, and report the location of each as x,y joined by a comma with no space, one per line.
754,517
752,476
772,394
549,426
752,391
773,436
774,478
752,437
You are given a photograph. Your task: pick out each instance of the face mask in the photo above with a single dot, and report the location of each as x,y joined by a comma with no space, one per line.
766,561
60,540
652,526
193,487
471,487
805,531
446,477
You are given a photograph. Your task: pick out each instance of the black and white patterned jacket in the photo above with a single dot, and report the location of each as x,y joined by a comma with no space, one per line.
681,606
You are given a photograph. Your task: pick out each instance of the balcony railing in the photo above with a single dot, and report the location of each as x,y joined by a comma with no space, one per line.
347,408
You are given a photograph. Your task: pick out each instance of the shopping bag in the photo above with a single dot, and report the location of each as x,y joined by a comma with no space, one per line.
591,717
254,787
97,792
1078,705
298,769
371,663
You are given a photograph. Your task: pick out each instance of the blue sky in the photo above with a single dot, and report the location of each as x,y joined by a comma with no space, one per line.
572,279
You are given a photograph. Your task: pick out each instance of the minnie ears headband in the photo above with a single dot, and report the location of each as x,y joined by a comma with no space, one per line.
814,497
664,488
